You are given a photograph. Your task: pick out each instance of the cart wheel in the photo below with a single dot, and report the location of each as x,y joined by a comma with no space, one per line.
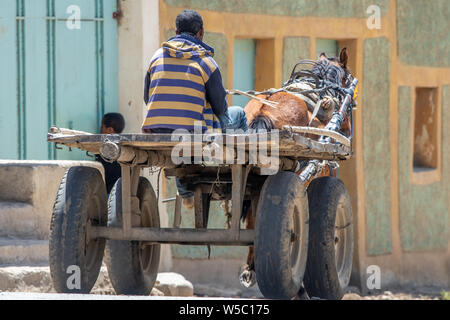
330,249
132,267
281,241
75,262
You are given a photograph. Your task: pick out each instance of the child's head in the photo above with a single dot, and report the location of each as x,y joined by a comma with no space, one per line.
112,123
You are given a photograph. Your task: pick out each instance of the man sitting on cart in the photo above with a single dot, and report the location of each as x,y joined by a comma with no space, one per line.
183,86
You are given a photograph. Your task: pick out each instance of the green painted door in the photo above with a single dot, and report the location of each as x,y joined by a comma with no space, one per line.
244,68
11,119
55,71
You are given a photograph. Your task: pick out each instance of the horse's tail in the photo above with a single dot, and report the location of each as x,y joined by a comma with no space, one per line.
262,123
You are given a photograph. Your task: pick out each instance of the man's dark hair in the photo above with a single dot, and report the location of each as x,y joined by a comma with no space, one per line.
114,120
190,22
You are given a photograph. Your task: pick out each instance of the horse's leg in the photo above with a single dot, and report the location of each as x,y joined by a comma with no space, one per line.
248,277
250,224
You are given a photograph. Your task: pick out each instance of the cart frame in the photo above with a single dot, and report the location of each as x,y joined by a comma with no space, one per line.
275,193
232,236
137,151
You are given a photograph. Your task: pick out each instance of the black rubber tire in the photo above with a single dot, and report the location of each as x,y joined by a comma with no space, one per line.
123,258
282,209
322,277
81,196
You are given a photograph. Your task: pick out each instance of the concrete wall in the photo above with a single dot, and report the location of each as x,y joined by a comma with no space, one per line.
422,32
298,8
423,209
27,193
377,153
137,42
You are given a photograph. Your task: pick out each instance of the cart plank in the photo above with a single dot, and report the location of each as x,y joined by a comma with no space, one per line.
290,144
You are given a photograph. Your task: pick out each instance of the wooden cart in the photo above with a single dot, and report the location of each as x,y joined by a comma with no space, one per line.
84,220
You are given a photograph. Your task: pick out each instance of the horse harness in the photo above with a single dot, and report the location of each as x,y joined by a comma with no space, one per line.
318,87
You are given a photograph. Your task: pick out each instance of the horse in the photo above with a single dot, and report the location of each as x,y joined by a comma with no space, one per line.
291,110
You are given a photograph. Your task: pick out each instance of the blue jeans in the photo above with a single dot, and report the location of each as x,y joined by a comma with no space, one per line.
234,119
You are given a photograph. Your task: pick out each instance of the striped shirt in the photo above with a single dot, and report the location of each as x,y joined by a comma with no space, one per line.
184,87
